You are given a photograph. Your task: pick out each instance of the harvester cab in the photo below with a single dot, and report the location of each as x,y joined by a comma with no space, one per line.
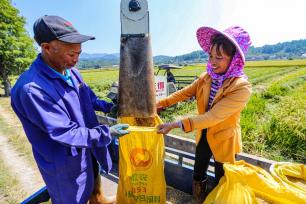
165,85
167,71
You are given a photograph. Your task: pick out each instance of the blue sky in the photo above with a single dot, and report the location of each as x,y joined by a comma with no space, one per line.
173,23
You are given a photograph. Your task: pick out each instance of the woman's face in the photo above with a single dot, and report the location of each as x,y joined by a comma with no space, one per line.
220,61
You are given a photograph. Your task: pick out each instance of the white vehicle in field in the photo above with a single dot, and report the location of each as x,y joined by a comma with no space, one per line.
165,84
173,83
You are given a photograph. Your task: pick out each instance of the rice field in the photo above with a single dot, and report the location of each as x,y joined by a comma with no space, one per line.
273,122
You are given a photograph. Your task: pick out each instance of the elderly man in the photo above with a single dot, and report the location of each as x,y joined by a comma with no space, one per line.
57,111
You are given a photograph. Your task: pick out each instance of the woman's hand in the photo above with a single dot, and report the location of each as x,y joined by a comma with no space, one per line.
159,107
167,127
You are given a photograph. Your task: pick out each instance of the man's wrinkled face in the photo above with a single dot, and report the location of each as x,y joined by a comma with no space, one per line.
61,55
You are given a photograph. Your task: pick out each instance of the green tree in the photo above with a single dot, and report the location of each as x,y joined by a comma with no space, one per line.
16,47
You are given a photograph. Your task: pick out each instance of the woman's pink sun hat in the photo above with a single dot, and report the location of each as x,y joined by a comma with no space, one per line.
238,36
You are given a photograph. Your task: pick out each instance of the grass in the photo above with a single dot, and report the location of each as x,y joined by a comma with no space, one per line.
9,186
276,63
263,77
261,110
14,132
10,192
285,132
100,80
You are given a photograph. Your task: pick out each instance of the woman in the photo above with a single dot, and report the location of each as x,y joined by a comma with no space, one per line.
221,93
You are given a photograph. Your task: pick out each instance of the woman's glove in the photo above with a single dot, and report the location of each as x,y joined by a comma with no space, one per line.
119,130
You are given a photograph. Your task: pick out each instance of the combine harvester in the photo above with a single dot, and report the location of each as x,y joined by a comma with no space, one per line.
137,77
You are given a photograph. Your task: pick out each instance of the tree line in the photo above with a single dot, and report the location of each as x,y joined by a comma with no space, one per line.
286,50
16,47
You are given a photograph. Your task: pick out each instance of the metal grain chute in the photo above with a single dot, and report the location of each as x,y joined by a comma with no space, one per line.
136,77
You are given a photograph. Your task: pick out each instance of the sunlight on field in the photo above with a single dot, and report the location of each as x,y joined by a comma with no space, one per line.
272,81
276,63
276,84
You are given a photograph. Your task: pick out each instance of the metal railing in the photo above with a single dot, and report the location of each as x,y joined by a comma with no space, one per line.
178,164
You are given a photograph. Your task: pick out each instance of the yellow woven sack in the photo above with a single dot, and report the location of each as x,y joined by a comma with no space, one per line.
292,176
244,183
141,165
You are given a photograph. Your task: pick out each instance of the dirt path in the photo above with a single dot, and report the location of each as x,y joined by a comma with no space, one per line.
28,176
7,113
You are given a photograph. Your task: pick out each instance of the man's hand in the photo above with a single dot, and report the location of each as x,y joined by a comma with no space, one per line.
167,127
114,111
119,130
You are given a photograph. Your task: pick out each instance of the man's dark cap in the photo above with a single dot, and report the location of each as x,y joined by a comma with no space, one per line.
48,28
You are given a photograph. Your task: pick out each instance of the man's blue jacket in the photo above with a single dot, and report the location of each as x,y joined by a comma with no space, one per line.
60,123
